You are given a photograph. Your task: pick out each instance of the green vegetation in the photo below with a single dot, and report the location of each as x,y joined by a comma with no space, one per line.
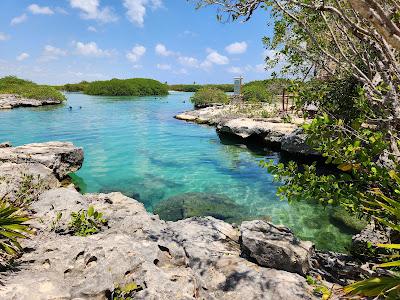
126,292
12,227
195,87
206,96
86,222
356,87
74,87
256,93
28,89
127,87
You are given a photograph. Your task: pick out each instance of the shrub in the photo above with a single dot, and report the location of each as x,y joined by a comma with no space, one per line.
256,93
86,222
205,96
127,87
195,87
75,87
28,89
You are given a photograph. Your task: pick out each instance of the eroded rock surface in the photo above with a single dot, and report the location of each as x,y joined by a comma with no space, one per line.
287,135
197,258
8,101
275,247
60,157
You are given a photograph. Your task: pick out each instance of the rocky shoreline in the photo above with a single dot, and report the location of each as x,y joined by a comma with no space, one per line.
9,101
281,133
196,258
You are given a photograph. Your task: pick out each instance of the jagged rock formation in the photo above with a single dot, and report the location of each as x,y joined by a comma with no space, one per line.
9,101
266,131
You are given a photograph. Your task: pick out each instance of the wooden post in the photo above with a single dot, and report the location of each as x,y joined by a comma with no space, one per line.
283,100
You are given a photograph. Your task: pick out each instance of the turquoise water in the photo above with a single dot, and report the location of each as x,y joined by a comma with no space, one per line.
134,145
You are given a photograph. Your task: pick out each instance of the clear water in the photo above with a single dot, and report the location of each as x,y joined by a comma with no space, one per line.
134,145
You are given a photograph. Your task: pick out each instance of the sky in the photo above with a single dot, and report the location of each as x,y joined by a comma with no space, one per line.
67,41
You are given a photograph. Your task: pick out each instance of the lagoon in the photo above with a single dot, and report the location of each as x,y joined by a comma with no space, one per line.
135,146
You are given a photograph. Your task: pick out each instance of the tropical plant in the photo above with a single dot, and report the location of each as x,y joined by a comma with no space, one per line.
256,93
126,292
12,228
28,89
127,87
195,87
86,222
206,96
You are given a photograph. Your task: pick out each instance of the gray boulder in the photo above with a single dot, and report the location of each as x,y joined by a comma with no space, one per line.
295,142
275,247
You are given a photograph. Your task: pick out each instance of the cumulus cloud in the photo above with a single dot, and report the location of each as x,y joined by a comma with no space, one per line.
164,67
162,50
52,53
90,9
91,49
215,58
136,9
23,56
236,48
136,53
188,61
40,10
18,20
4,37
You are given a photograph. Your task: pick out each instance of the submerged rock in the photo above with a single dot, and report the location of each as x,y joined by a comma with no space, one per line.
8,101
275,247
197,205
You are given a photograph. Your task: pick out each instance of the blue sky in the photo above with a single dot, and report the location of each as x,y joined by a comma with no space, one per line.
59,41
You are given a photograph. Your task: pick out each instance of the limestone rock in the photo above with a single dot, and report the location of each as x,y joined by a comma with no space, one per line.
295,142
363,245
275,247
8,101
61,157
197,258
5,144
244,128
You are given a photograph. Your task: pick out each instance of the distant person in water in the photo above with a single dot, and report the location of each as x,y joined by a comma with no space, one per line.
70,108
80,107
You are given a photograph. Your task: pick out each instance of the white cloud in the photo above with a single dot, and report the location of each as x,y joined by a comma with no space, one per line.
236,48
40,10
235,70
91,10
215,58
18,20
188,61
23,56
136,53
136,9
91,49
164,67
92,29
4,37
52,53
162,50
